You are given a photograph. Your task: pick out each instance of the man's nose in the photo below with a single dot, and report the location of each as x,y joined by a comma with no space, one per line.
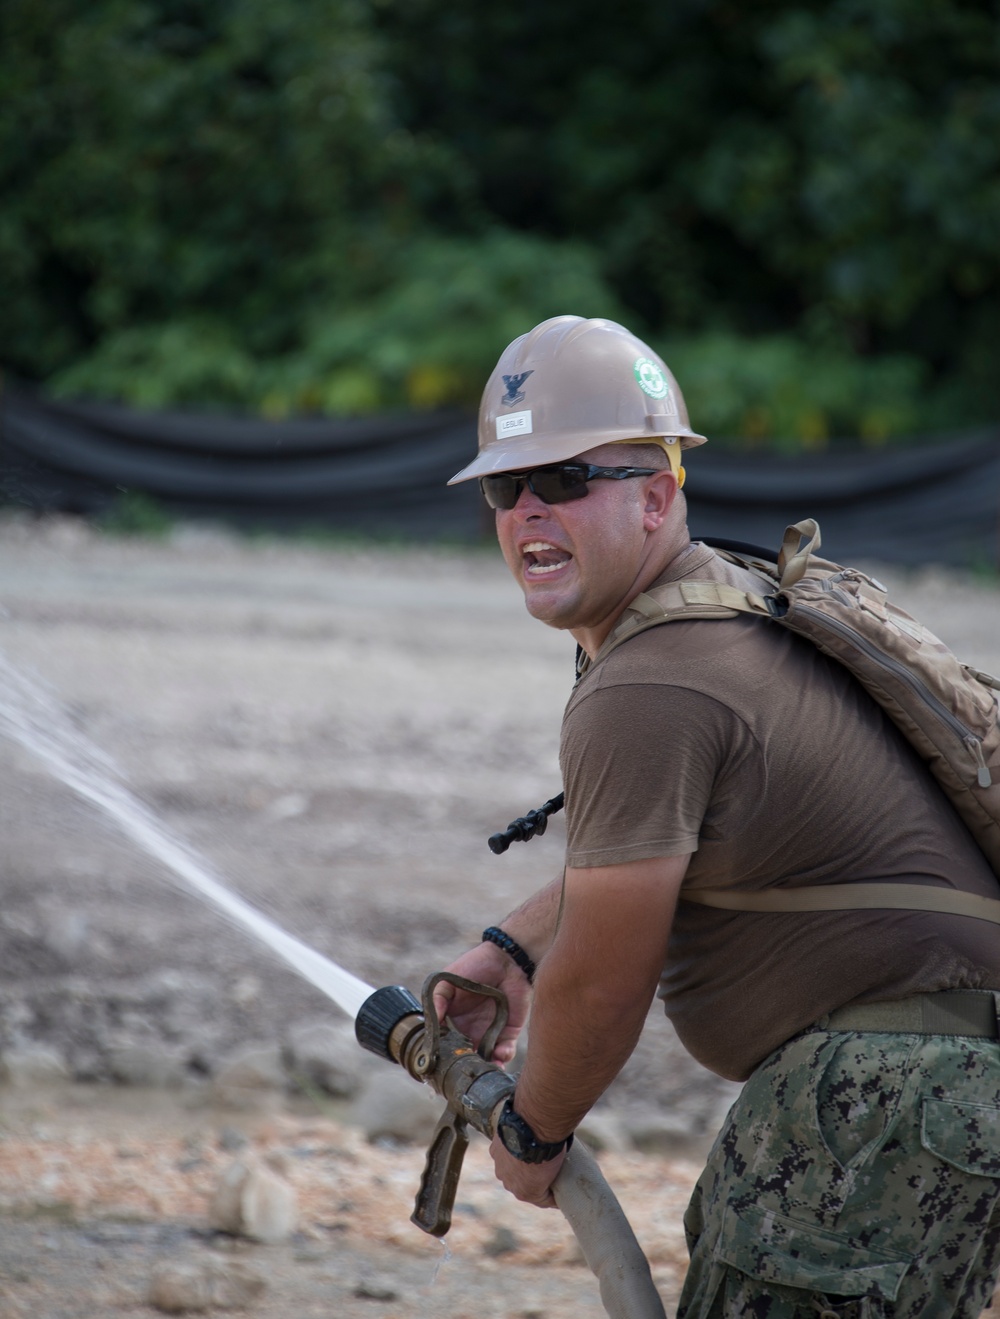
528,503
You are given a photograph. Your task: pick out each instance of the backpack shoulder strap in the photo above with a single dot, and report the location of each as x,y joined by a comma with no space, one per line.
679,602
692,598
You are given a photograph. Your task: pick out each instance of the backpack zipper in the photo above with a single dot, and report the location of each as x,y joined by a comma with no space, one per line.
967,737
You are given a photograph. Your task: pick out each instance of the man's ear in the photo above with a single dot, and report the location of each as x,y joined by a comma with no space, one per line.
660,492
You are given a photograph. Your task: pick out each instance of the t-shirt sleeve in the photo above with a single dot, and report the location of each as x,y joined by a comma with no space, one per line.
652,770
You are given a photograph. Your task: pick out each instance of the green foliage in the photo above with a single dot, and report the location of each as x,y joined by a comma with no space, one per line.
136,514
427,338
350,205
782,393
430,337
830,171
189,361
231,161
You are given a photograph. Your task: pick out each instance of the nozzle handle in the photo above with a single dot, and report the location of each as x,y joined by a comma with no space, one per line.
439,1181
488,1043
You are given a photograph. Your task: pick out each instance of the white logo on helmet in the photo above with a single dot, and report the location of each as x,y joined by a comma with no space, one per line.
514,423
650,378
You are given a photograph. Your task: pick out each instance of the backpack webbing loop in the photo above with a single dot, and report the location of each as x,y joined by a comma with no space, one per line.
850,897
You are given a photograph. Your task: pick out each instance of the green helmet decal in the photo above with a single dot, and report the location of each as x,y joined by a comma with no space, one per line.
650,378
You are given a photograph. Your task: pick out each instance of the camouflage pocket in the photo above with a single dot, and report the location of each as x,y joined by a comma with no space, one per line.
965,1135
858,1094
801,1270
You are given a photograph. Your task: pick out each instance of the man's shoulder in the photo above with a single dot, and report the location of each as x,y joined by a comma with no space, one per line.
700,652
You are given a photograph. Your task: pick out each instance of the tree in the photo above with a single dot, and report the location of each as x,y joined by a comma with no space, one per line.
830,170
222,165
351,204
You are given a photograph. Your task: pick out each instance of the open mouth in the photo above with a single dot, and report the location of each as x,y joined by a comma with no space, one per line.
541,558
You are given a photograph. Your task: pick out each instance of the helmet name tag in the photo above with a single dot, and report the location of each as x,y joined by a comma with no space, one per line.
514,423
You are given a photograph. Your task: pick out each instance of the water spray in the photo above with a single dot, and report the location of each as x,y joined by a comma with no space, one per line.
32,716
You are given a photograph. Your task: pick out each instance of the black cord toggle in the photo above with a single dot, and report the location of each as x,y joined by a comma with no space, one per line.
527,826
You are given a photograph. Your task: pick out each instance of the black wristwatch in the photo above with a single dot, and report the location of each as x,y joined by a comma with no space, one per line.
518,1139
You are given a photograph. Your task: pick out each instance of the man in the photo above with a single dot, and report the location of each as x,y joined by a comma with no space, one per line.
859,1172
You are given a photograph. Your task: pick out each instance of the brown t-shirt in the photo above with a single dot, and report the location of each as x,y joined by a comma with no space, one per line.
741,743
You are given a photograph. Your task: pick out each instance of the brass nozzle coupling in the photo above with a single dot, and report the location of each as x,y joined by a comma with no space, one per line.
393,1024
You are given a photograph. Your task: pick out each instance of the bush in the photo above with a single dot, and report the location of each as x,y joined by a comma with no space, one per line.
428,338
779,392
136,514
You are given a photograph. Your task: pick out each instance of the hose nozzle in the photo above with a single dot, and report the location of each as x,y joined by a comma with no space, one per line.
393,1024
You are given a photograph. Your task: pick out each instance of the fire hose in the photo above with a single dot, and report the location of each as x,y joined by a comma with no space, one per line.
395,1025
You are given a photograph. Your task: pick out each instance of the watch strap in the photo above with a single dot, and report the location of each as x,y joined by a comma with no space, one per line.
518,1138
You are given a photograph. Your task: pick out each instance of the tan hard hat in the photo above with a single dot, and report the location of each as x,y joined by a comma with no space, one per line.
569,385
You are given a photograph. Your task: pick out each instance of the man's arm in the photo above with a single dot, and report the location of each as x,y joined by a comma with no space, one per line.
592,993
533,926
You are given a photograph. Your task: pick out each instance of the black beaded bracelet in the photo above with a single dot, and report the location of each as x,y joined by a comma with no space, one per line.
513,950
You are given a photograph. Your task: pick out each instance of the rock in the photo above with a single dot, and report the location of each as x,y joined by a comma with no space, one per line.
179,1287
654,1132
254,1066
63,930
66,531
288,807
146,1065
502,1242
376,1289
88,1065
249,1075
393,1106
328,1056
246,992
604,1132
31,1066
254,1201
232,1139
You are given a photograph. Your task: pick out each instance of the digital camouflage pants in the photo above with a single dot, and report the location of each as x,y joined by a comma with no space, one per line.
857,1175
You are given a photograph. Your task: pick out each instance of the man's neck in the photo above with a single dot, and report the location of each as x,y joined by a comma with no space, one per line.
591,639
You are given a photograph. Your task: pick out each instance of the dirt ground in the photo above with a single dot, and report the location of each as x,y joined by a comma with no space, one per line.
99,1193
337,730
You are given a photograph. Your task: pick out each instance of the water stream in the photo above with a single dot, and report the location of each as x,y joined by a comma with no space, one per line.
32,716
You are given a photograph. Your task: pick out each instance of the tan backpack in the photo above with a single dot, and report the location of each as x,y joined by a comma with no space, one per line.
948,711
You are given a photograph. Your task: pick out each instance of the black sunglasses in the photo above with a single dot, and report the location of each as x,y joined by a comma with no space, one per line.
556,484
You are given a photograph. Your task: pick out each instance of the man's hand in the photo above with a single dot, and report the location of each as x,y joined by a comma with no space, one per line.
533,926
472,1013
530,1182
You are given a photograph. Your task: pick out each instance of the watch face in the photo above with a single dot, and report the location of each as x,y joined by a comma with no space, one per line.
513,1140
518,1139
